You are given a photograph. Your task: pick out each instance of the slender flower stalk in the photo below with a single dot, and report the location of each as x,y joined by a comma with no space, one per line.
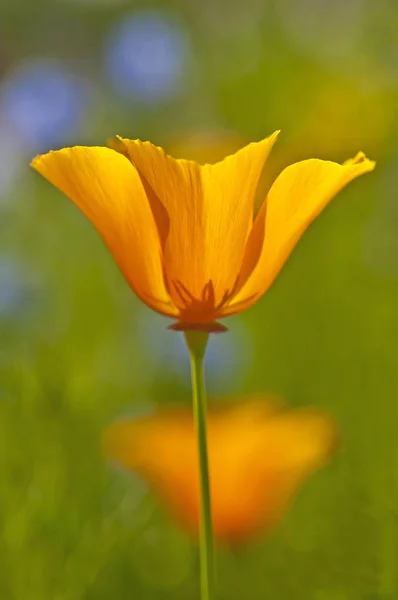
197,342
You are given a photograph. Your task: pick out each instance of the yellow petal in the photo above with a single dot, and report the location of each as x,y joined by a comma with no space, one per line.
229,189
174,185
209,212
259,454
296,198
108,190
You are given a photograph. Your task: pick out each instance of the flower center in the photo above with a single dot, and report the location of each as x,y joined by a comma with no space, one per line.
203,308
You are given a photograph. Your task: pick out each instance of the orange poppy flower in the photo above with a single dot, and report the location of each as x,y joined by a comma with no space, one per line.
184,235
259,455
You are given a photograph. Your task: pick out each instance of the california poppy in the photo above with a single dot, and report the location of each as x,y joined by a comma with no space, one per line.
259,455
184,235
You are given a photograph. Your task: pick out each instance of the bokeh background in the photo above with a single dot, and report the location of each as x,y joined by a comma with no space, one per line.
201,78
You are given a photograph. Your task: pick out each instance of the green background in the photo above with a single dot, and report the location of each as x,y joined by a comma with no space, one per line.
77,348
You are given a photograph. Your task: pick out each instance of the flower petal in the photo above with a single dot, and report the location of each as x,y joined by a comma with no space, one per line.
259,455
296,198
108,190
210,212
229,189
176,186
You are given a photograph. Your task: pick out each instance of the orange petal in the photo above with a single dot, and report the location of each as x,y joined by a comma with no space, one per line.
108,190
229,189
175,186
296,198
259,454
209,212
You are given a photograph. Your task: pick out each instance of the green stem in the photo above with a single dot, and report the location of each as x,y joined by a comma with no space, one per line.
197,342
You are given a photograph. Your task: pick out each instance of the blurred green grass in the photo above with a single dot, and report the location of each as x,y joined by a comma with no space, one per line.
325,334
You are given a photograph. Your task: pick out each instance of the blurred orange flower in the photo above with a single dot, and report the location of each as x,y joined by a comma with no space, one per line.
259,455
184,235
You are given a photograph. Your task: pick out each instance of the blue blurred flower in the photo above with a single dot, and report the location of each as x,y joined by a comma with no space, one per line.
11,161
228,355
42,103
146,56
15,289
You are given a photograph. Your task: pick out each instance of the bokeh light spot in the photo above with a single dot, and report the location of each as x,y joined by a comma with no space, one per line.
14,289
146,56
228,356
42,103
